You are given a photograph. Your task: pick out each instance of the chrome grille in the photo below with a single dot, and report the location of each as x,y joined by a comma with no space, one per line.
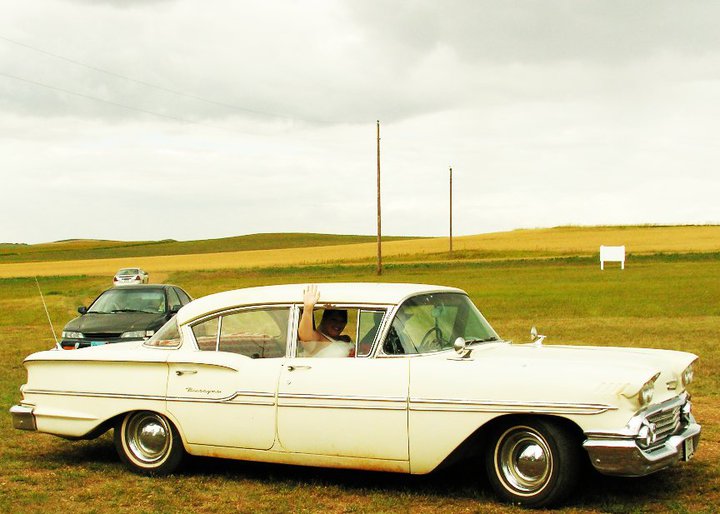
667,422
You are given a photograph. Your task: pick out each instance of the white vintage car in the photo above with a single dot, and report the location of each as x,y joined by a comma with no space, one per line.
421,381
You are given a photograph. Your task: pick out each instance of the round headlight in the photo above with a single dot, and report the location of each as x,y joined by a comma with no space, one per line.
646,393
646,435
687,375
644,438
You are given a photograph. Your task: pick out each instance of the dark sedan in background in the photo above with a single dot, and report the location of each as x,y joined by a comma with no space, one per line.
125,313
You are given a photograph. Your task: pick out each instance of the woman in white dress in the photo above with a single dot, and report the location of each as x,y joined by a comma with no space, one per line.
327,340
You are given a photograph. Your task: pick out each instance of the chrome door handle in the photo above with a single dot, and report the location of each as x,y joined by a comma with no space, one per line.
185,372
294,368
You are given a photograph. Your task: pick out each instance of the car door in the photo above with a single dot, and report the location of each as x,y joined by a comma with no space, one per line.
224,393
344,406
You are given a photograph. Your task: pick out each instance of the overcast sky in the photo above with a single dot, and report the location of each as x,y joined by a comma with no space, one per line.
188,119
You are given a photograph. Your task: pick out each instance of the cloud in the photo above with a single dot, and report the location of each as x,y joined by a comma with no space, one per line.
518,31
547,112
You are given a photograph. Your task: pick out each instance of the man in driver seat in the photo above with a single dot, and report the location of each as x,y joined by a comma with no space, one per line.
327,340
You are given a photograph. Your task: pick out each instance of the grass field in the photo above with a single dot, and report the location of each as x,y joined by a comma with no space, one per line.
300,249
95,249
667,297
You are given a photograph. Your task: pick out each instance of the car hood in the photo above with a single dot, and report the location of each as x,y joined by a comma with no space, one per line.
621,370
529,374
117,322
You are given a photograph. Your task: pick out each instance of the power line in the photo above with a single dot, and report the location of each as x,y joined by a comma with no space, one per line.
117,104
161,88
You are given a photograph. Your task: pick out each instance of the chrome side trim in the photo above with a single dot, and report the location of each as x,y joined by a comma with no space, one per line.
256,399
322,401
340,406
88,394
262,398
206,364
342,397
356,402
428,404
154,363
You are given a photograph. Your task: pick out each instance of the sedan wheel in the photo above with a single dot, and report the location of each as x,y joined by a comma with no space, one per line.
148,443
534,463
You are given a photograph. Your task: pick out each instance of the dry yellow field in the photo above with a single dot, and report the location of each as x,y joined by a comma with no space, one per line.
587,240
561,241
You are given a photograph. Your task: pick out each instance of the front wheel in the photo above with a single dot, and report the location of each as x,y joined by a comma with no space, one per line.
534,462
148,443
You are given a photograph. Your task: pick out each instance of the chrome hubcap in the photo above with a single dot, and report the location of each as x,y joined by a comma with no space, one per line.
148,436
524,460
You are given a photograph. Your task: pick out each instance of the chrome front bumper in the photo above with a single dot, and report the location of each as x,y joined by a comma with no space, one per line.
23,417
620,455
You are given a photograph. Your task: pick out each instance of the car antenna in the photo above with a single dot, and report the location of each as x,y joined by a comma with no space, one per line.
52,329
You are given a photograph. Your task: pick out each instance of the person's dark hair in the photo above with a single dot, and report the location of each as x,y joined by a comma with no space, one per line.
340,312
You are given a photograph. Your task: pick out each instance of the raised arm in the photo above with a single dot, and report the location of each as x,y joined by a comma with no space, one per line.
306,332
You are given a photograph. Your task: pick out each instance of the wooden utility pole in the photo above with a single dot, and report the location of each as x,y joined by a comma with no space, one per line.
379,227
450,210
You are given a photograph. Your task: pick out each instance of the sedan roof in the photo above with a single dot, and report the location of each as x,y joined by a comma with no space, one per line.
330,293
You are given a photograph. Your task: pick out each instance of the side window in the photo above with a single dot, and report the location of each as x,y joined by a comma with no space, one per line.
206,334
255,333
338,327
368,326
346,331
173,300
167,336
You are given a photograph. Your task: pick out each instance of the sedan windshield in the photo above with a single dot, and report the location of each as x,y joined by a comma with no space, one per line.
129,300
432,322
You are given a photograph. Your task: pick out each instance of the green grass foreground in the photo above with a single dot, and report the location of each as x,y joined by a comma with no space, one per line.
661,302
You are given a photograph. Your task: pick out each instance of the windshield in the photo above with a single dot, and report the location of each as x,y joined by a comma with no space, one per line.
130,300
432,323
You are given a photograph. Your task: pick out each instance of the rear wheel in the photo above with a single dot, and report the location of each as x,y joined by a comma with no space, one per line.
148,443
534,462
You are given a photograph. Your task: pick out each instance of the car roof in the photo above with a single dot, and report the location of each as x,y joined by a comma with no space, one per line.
330,293
142,286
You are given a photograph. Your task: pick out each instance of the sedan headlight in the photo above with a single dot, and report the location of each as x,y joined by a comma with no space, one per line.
72,335
138,334
647,392
647,435
687,375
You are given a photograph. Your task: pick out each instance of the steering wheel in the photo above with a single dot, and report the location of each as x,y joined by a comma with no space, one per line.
392,344
433,340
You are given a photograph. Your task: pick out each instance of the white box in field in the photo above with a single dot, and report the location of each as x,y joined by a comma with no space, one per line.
612,254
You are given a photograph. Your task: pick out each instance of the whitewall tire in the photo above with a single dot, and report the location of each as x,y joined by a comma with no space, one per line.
148,443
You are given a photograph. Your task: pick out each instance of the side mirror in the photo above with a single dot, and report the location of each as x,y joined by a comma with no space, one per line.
82,309
536,338
460,347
